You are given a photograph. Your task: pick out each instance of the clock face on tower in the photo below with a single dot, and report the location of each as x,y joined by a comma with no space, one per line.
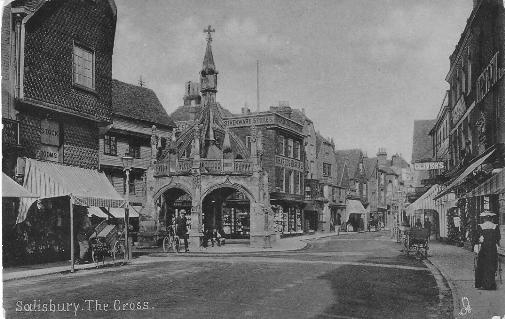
209,82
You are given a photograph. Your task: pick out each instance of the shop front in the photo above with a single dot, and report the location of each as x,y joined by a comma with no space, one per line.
288,218
311,217
46,227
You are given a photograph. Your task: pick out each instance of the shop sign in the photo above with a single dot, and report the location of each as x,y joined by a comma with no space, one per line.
427,166
289,163
269,119
249,121
50,132
459,110
489,77
49,153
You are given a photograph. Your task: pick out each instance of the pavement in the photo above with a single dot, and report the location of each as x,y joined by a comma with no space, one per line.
457,266
284,244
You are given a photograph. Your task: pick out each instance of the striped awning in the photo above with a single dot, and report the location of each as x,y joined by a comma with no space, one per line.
494,185
87,187
12,189
467,172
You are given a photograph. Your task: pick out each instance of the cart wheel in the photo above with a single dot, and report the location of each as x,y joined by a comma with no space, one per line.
176,244
118,251
167,245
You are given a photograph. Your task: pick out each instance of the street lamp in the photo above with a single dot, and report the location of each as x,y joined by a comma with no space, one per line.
127,161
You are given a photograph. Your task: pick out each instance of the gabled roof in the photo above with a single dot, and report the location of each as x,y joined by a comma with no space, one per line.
347,163
369,165
137,102
422,146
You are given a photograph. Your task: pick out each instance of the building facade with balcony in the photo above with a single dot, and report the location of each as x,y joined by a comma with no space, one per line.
135,110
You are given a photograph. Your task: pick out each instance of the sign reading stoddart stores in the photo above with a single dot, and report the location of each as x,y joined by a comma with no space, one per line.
489,77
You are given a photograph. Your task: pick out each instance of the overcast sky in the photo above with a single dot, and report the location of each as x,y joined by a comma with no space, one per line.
363,70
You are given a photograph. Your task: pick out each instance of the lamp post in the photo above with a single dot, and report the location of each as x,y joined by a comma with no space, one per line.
127,161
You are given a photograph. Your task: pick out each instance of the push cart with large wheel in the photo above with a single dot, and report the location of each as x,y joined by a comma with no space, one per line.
417,242
107,240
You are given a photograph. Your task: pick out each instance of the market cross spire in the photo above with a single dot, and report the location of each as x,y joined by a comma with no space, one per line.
209,30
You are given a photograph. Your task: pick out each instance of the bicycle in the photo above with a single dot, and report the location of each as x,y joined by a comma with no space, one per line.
171,241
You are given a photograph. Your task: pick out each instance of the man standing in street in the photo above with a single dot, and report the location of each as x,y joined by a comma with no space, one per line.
180,225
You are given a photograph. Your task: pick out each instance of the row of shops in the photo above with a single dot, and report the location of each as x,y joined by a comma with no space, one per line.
454,210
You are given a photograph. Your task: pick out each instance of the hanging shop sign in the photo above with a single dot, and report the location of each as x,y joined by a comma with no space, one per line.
489,77
50,132
427,166
48,153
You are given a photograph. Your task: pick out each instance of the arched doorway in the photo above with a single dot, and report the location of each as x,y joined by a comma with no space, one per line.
227,210
171,202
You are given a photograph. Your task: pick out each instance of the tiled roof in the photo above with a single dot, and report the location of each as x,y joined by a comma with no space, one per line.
138,102
369,165
422,147
347,163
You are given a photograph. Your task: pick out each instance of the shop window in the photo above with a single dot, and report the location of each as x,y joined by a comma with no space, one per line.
288,148
287,181
326,169
297,182
110,145
279,179
280,145
296,150
84,67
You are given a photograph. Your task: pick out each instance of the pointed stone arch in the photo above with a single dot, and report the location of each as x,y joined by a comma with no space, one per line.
169,186
228,184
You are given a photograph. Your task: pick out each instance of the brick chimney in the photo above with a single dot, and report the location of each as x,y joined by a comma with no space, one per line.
382,156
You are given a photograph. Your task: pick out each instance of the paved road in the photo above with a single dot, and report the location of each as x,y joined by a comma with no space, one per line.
355,276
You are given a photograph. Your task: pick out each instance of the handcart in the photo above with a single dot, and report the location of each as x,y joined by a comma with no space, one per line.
107,240
417,241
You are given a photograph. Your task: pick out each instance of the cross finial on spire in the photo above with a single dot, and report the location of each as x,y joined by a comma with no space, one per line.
209,30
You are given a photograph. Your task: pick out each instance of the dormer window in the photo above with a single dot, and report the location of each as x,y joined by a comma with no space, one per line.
83,67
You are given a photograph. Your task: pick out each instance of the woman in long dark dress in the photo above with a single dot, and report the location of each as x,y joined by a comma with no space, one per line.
487,259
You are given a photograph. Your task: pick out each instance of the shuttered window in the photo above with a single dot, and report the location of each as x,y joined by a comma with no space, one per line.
84,67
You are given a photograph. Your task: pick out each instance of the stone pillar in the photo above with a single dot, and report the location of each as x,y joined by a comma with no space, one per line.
196,213
148,221
261,214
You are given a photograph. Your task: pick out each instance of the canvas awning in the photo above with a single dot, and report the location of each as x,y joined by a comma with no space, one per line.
354,207
426,201
92,210
463,175
494,185
87,187
119,212
12,189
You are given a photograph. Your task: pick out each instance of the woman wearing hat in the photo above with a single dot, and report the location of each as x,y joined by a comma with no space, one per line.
487,258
